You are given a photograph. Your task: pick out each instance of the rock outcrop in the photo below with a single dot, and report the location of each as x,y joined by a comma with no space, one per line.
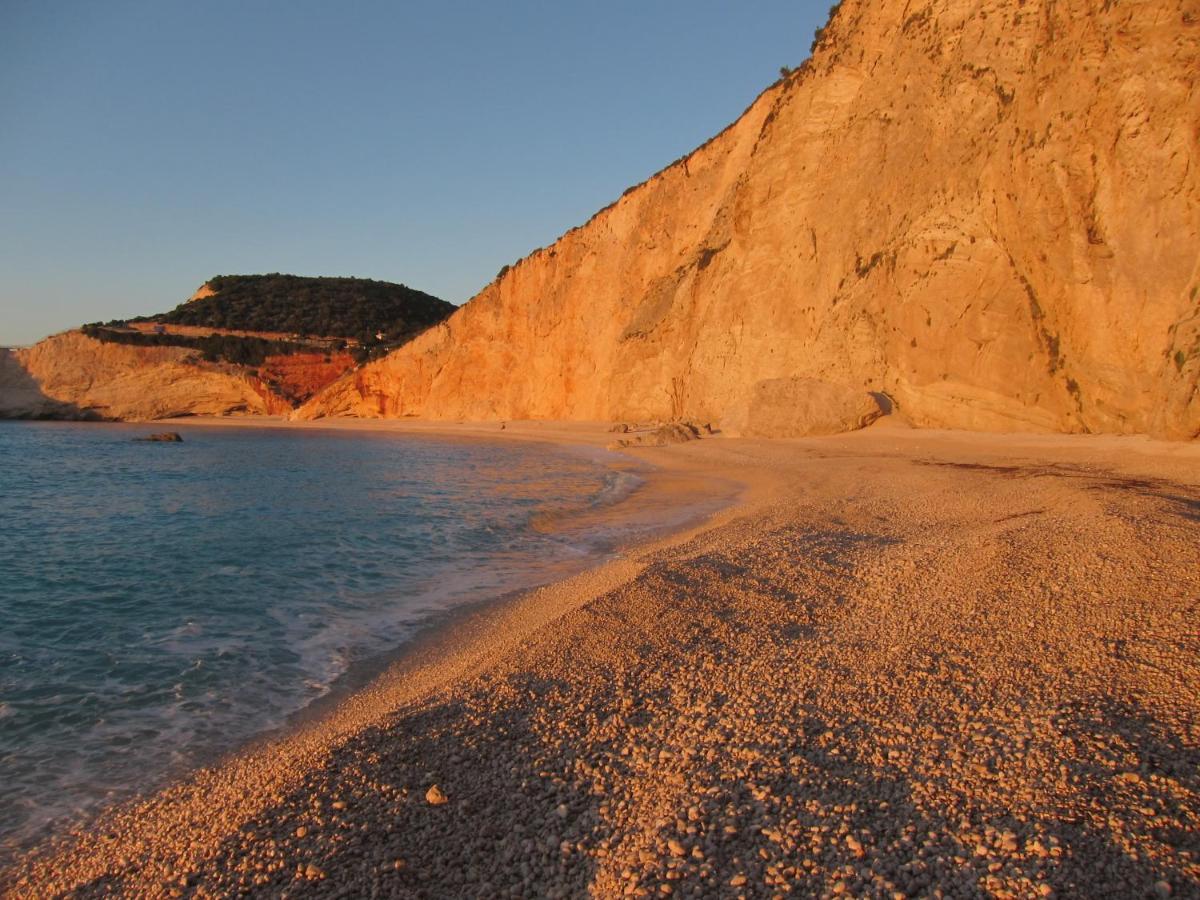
71,376
799,407
241,345
989,211
659,436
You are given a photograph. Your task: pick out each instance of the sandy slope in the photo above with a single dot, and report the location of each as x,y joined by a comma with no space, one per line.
906,662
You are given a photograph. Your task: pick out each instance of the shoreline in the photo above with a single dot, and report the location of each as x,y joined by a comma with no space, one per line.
870,520
439,642
439,635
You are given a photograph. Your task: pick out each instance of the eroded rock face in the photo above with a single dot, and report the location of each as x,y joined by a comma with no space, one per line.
72,376
987,210
298,376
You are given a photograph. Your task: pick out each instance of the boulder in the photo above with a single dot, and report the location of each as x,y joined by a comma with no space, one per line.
663,436
799,407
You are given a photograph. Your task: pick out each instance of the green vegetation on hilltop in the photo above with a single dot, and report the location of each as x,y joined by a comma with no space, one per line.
356,308
297,314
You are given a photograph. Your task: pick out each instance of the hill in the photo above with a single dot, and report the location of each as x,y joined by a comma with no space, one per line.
243,345
986,211
322,307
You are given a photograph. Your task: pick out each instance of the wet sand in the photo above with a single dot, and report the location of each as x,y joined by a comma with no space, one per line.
904,663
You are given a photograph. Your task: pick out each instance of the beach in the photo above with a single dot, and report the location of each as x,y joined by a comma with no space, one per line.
897,663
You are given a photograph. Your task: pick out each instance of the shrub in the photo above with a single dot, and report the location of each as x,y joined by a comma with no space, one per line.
324,307
245,351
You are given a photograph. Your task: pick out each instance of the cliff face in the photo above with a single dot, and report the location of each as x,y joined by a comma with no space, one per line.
988,210
73,376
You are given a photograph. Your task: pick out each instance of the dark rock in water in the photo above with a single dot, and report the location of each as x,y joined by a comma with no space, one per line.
163,437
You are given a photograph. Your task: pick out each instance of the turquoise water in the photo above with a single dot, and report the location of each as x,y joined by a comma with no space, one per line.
162,603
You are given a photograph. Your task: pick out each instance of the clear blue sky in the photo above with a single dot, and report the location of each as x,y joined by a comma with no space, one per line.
146,145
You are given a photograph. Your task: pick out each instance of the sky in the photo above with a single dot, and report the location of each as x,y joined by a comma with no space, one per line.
147,145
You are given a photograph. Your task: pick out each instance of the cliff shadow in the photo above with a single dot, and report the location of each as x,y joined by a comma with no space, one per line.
22,397
864,813
1176,498
513,822
886,404
1142,774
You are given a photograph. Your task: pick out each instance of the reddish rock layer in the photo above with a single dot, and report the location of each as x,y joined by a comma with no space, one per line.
299,376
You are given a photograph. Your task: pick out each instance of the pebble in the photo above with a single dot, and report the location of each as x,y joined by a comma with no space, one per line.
749,763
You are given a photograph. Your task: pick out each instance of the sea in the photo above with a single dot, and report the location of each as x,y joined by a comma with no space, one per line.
161,604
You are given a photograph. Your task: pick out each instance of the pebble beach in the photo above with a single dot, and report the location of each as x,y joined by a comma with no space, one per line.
901,664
